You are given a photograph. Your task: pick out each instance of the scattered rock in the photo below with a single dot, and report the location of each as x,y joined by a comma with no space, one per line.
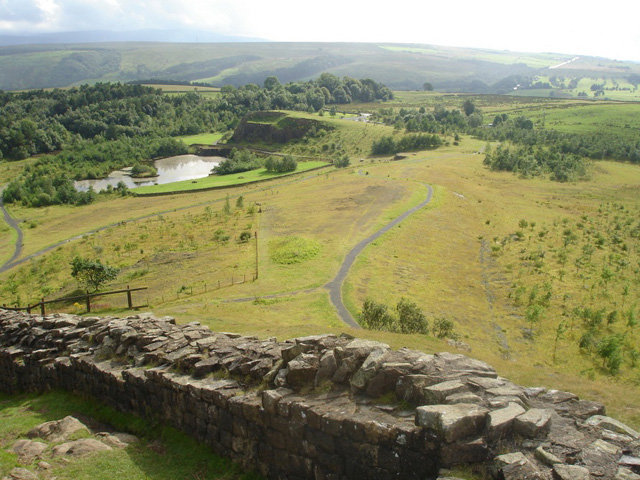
79,448
58,431
547,458
21,474
28,450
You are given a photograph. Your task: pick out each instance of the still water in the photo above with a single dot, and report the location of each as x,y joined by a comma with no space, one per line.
170,169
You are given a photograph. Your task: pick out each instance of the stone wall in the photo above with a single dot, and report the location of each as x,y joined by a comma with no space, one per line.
321,407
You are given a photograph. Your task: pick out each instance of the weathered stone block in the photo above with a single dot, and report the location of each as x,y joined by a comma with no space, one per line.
500,422
533,423
570,472
612,424
435,394
452,422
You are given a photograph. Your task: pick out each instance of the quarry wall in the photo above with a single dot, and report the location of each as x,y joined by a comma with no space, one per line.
319,407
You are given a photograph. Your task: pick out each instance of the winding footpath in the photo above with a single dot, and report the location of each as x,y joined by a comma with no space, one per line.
13,224
335,285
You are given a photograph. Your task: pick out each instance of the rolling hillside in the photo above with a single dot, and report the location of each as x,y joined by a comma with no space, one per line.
400,67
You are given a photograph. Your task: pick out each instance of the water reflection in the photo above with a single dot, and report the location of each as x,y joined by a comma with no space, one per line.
170,169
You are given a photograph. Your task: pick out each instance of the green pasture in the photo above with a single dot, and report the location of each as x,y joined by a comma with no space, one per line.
201,139
220,181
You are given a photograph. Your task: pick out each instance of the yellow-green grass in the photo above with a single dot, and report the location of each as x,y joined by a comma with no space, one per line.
220,181
201,139
178,453
8,239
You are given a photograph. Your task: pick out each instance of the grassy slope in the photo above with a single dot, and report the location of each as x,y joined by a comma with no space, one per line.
396,65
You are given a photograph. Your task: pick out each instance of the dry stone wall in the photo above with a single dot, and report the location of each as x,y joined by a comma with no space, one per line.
319,407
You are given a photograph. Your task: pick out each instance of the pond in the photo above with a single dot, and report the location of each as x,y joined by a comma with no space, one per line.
170,169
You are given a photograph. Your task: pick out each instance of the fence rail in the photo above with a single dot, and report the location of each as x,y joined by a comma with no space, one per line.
86,298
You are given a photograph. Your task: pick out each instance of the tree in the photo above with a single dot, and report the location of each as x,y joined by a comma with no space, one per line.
271,83
468,106
92,273
375,316
427,87
442,327
410,318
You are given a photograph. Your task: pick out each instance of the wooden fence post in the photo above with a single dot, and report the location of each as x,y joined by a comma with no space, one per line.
42,306
129,298
88,304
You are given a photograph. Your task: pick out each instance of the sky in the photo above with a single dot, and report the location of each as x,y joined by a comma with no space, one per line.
606,30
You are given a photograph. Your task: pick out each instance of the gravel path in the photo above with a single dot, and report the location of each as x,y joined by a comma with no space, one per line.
14,225
335,285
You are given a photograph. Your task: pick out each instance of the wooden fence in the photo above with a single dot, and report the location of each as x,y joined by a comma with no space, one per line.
86,299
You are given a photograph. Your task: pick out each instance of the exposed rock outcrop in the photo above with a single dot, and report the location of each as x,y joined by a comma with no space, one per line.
318,407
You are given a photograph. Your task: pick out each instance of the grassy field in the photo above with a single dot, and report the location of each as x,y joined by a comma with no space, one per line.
162,453
201,139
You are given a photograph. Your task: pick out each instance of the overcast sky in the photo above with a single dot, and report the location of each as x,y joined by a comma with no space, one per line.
605,29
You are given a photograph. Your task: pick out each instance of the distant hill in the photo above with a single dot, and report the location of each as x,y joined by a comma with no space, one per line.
399,66
173,36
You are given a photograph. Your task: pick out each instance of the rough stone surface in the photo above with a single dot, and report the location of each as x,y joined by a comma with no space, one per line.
317,407
534,423
78,448
28,450
452,422
570,472
59,430
500,422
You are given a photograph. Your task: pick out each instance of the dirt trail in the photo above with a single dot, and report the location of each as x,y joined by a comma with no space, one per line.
13,224
335,285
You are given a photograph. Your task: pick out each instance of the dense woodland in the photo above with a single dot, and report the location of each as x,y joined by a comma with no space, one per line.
92,130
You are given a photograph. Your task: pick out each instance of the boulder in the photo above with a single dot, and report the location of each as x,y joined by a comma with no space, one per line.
28,450
79,448
21,474
58,431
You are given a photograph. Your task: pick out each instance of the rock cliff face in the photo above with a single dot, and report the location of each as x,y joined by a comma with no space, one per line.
320,407
274,127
